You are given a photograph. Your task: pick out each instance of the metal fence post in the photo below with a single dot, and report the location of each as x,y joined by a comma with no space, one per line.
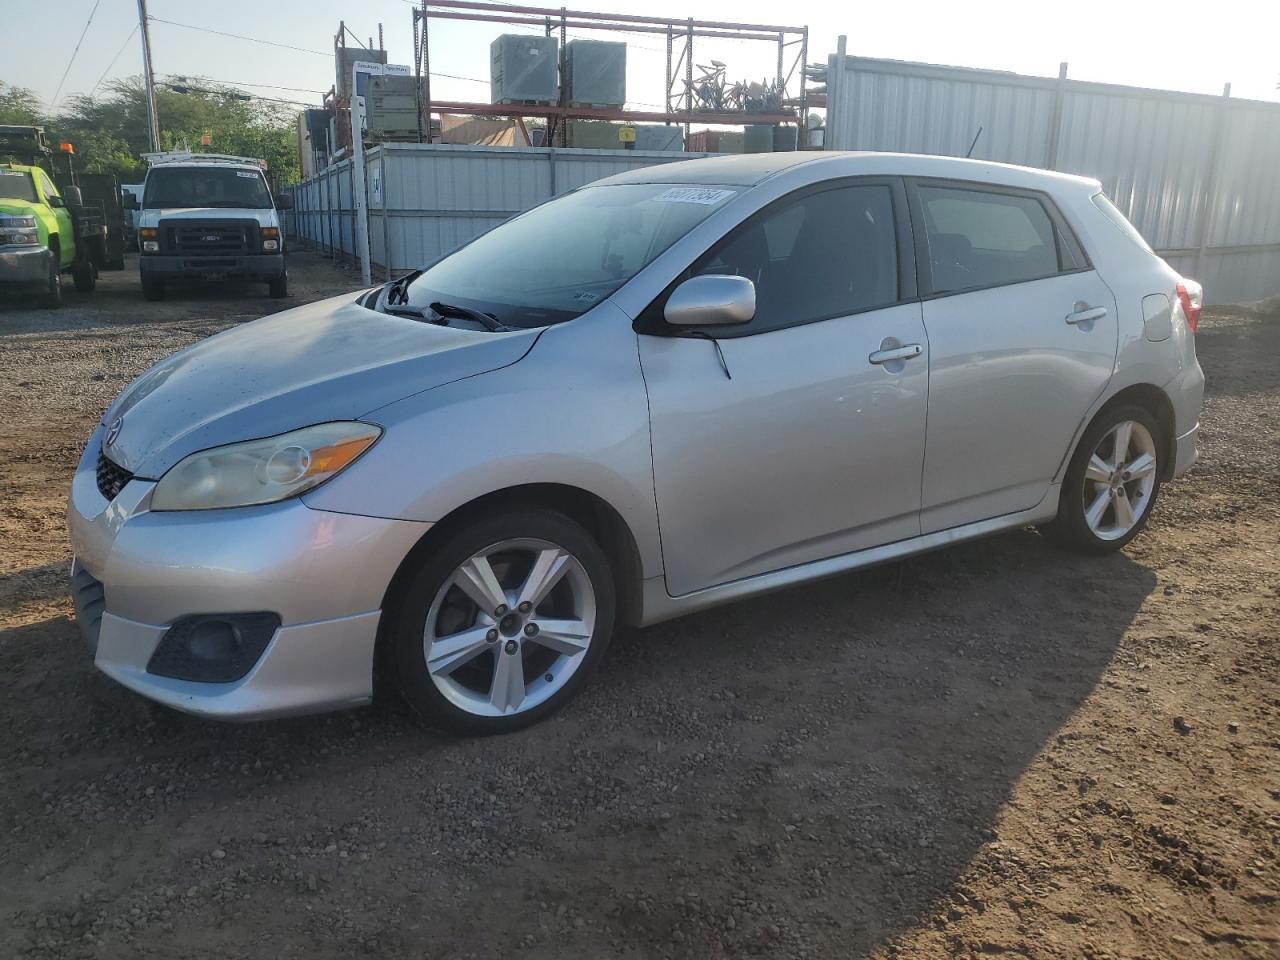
1211,181
1055,124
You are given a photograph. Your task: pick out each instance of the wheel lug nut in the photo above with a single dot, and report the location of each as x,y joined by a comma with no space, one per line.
511,646
492,636
501,611
525,607
530,629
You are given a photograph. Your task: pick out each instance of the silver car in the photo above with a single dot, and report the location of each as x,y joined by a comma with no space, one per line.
670,389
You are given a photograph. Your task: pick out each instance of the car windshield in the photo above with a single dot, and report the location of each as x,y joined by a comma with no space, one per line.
559,259
17,185
205,187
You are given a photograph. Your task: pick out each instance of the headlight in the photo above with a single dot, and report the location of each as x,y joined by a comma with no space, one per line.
263,471
150,246
270,245
18,230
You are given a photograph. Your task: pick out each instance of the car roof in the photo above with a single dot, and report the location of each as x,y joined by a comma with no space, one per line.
747,170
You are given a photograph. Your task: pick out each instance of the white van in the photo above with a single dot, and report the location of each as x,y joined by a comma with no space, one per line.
209,217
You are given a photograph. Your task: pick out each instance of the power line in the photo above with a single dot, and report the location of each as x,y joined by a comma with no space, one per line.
241,36
74,52
242,83
113,60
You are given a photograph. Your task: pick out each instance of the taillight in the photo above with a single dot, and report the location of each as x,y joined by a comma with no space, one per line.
1191,296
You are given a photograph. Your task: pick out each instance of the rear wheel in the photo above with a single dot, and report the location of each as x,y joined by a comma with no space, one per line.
1111,484
152,289
503,622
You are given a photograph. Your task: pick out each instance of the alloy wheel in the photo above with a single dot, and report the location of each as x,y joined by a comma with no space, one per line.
509,627
1119,480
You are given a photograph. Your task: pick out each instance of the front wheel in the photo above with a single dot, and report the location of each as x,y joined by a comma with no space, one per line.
153,289
85,276
279,287
1111,483
53,284
502,623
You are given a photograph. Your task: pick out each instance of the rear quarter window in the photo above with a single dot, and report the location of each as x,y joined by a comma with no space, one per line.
1112,212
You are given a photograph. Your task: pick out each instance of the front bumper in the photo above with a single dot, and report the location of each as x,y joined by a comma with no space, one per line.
325,575
19,264
258,266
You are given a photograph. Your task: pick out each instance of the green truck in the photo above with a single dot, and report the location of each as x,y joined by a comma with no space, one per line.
45,230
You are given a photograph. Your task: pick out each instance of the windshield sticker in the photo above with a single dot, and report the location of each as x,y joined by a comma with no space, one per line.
708,196
12,173
246,173
586,296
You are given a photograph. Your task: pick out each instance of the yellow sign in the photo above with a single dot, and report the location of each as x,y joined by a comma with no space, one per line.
626,134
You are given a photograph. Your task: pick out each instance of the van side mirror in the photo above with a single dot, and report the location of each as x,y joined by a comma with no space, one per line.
284,202
132,202
713,300
71,197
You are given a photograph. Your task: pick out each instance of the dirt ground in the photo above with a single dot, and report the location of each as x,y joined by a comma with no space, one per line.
996,749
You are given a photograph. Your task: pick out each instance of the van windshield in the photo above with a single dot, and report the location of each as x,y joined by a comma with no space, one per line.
559,259
169,187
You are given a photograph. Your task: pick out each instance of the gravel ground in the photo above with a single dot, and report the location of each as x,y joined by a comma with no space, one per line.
996,749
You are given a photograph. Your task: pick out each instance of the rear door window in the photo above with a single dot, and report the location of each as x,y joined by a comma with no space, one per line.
980,238
813,257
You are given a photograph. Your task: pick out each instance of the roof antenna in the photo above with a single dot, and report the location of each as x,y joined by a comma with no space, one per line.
975,142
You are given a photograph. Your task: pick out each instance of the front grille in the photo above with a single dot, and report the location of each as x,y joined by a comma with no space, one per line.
209,237
111,477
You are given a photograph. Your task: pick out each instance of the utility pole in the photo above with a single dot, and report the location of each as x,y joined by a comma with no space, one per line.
153,124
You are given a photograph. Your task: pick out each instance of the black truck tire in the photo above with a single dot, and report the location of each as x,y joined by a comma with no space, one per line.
153,289
53,285
279,287
85,275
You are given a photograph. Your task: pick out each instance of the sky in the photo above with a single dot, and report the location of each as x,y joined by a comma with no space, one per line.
1171,45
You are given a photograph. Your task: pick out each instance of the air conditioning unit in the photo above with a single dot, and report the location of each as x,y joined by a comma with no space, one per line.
523,69
596,73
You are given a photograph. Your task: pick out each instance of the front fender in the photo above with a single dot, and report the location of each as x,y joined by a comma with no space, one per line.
573,412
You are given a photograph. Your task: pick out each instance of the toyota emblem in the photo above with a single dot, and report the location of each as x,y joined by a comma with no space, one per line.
113,431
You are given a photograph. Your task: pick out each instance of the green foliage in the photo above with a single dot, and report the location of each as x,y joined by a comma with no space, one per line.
109,131
19,106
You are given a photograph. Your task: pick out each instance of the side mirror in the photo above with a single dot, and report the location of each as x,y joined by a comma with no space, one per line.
71,197
132,202
711,301
284,202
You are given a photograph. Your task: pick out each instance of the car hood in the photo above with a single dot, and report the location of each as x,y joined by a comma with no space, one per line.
266,216
331,360
10,207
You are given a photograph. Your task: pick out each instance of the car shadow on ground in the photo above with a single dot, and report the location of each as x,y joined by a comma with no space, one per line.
819,764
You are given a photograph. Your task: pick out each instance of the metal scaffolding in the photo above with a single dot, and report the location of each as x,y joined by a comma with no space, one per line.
680,106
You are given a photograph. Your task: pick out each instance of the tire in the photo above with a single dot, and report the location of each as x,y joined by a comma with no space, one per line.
85,276
1089,484
279,287
465,691
153,289
53,284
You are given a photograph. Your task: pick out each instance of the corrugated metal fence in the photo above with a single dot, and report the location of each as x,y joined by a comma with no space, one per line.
427,199
1198,175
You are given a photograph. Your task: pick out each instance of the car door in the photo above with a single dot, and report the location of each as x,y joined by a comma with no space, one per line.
1022,339
61,214
799,435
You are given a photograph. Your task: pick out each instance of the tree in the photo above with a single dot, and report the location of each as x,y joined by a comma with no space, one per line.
110,131
20,106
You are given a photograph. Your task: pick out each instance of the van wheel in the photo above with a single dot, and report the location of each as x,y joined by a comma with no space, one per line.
279,287
85,276
53,284
1111,484
153,289
502,623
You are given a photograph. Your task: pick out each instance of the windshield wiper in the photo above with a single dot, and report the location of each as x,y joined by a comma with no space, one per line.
414,313
486,320
398,291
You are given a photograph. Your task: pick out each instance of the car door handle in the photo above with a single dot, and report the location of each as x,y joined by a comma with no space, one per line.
1084,313
904,352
